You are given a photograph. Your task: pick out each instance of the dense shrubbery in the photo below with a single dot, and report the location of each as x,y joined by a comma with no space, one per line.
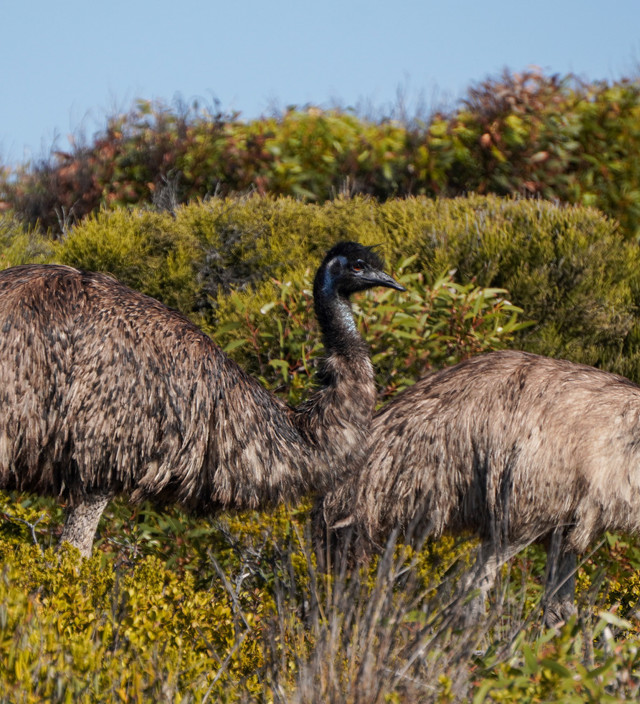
174,608
250,619
527,134
568,268
19,245
96,631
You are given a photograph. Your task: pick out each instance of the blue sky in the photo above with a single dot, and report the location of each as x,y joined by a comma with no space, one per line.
66,66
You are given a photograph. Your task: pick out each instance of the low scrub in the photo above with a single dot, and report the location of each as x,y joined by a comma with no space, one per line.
250,619
19,245
232,608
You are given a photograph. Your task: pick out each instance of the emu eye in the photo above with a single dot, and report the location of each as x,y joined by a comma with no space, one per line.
358,266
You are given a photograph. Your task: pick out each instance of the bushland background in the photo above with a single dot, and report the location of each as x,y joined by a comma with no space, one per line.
513,220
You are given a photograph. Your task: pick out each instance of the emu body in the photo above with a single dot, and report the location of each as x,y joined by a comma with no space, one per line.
514,447
105,391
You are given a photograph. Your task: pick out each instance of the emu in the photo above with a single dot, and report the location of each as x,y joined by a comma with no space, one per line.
105,391
515,447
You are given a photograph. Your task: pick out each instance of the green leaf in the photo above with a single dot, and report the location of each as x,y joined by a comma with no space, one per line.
614,620
556,667
234,345
530,659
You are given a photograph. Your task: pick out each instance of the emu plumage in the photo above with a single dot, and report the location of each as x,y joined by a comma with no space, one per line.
512,446
105,391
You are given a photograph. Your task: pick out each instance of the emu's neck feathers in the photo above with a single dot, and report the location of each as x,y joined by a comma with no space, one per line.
261,451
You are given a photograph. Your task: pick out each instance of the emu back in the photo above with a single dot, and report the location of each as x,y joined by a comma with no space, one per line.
512,446
507,441
103,388
85,395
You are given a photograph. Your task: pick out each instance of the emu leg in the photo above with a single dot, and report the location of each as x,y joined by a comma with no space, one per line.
82,522
560,583
491,556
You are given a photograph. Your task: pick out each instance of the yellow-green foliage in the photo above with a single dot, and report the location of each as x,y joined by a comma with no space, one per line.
566,267
19,245
89,631
265,626
553,668
140,249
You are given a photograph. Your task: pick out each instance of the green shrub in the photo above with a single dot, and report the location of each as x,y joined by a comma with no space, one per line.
268,627
19,245
568,268
140,249
519,133
85,631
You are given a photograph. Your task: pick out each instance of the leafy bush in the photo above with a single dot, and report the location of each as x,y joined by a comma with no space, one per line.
568,268
139,249
21,246
84,631
528,134
268,627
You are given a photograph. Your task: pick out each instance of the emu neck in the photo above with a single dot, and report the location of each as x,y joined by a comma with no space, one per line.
265,452
339,331
336,419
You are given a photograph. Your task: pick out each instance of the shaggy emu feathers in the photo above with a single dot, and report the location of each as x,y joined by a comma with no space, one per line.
104,391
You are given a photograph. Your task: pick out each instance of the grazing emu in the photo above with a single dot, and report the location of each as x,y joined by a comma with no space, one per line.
105,391
515,447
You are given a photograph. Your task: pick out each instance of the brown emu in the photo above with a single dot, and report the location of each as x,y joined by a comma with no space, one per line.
513,446
105,391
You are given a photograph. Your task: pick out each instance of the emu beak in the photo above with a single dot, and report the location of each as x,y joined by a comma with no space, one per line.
379,278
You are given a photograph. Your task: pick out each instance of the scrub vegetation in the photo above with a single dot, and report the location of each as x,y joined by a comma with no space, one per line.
232,607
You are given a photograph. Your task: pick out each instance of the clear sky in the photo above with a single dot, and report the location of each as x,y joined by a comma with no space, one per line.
66,66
